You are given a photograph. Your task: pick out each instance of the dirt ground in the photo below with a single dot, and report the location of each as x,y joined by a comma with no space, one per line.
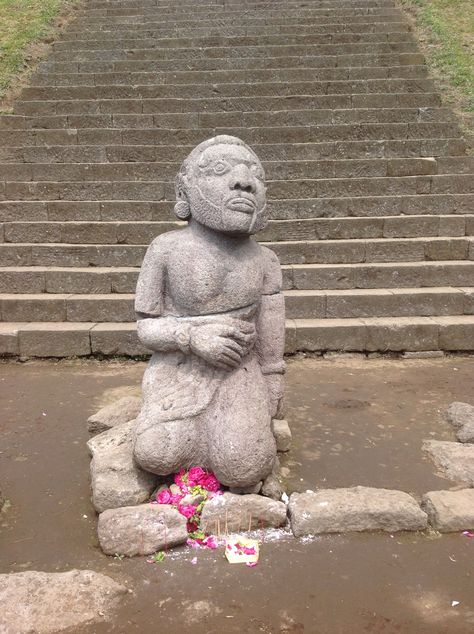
354,421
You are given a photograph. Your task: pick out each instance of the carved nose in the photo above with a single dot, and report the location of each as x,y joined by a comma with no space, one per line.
243,180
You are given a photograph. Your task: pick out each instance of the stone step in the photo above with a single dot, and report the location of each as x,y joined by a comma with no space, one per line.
177,46
67,339
289,252
143,232
335,12
204,91
274,170
304,277
363,207
361,7
377,132
425,274
323,304
157,30
189,120
250,52
219,26
228,104
218,77
218,7
73,153
226,64
277,189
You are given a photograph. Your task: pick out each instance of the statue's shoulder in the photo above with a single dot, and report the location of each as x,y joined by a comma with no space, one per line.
165,243
272,271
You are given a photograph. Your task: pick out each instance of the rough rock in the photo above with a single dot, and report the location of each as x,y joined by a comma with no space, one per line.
282,433
454,461
354,509
141,530
125,409
116,479
236,513
466,432
460,414
41,602
272,487
450,511
461,417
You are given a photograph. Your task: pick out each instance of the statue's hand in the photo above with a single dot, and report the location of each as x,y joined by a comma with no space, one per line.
222,344
275,394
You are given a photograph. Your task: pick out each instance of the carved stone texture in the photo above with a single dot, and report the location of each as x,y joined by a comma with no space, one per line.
236,513
210,307
461,417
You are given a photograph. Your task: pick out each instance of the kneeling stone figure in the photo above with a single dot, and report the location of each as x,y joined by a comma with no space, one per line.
210,307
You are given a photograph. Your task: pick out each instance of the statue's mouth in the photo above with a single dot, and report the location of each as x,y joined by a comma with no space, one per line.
242,204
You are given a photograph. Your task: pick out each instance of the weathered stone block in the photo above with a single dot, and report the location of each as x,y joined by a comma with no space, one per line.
122,411
46,602
354,509
116,339
453,460
9,344
450,511
401,333
116,479
141,530
459,414
236,513
282,433
54,339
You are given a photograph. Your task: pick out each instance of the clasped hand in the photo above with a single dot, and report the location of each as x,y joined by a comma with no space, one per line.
223,344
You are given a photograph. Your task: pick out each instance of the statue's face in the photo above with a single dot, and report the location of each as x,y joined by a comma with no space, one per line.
226,190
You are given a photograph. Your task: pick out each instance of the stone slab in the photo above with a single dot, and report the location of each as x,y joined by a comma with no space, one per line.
236,513
55,340
116,479
354,509
282,433
141,530
41,602
122,411
453,460
450,511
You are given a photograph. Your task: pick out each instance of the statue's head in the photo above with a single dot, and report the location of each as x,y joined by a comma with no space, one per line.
221,184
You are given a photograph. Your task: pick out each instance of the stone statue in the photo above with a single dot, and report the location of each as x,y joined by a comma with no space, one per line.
210,306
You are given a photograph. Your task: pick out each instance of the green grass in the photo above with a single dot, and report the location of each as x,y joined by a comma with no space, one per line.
22,23
447,27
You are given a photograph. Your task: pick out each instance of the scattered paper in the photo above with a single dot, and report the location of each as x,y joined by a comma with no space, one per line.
454,603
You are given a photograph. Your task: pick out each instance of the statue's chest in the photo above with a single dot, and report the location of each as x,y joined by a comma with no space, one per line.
203,283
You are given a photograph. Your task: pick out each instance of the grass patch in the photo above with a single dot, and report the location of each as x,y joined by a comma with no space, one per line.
24,23
446,32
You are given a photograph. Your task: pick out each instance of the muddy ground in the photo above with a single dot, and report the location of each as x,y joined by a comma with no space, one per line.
354,421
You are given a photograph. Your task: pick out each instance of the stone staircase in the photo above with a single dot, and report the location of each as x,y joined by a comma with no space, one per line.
370,188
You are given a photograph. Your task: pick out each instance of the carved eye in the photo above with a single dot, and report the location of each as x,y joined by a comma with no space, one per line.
221,167
257,171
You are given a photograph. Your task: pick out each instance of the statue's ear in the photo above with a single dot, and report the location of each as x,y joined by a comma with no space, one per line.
182,210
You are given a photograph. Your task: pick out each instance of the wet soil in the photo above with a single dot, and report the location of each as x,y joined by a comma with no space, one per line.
354,421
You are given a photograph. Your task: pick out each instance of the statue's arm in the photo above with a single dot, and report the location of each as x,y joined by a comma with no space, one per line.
270,343
157,332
